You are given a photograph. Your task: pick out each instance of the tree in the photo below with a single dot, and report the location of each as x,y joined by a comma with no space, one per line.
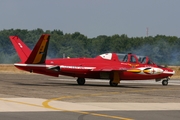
161,49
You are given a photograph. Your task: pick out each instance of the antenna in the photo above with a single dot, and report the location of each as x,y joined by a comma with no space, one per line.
147,31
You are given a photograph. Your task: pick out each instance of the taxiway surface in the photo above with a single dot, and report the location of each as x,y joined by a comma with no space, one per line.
31,96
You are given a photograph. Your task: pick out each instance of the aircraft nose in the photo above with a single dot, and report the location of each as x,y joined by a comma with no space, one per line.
169,71
173,72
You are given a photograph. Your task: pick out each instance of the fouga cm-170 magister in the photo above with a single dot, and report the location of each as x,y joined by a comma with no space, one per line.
112,66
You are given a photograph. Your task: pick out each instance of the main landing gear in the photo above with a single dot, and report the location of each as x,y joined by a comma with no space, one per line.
111,83
115,79
81,81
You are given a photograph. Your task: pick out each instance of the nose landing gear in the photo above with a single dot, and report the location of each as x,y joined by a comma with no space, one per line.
165,82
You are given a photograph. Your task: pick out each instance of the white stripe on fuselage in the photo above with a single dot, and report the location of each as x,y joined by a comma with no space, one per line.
47,66
76,67
33,65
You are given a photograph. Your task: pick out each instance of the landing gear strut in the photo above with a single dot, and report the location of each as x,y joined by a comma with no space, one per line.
165,82
115,79
111,83
81,81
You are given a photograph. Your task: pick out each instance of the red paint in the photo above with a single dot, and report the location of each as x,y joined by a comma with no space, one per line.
100,67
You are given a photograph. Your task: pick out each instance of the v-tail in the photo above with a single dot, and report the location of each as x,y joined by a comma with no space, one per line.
37,55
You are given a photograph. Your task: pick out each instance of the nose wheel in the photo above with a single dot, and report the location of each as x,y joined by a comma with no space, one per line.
165,82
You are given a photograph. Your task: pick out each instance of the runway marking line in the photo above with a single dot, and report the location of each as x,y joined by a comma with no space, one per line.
21,103
46,105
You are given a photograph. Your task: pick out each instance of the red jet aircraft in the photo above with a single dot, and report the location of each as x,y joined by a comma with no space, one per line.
112,66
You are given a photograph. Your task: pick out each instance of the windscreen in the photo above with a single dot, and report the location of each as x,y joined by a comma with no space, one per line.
142,59
122,57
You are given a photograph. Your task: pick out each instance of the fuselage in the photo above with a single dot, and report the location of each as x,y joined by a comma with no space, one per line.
99,68
112,66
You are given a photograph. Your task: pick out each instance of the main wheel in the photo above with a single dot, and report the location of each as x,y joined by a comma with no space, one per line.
165,82
81,81
113,84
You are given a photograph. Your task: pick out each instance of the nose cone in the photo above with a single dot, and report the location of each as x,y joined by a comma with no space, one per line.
169,71
173,72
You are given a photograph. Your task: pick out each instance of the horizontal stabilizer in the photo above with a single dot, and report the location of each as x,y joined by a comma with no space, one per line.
54,68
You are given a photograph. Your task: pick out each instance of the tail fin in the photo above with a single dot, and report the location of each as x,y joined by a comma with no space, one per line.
38,55
22,50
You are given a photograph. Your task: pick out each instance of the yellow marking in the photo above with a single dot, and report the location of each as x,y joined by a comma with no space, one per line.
135,71
133,65
21,103
146,71
81,112
116,78
46,105
41,49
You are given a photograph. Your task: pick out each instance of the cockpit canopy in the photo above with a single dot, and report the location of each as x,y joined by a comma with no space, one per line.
132,58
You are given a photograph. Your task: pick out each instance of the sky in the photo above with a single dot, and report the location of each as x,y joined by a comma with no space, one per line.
94,17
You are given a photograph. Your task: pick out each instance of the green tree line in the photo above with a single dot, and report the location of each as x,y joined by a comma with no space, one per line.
160,48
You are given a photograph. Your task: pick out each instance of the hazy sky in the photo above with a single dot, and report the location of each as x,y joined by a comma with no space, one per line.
93,17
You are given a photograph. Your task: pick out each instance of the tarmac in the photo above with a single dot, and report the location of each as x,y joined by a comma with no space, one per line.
32,96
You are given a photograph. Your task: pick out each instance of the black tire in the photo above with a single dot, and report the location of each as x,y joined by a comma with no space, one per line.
165,82
113,84
81,81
